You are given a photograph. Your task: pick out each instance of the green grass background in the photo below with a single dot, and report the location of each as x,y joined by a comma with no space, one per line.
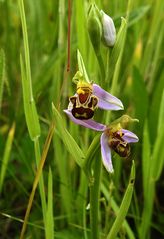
134,74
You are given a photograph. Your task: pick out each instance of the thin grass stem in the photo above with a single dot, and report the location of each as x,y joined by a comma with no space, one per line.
37,177
94,199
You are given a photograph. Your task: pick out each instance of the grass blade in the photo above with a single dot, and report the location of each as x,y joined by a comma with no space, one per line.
68,140
29,107
6,155
113,57
2,74
49,216
29,103
158,152
124,206
146,160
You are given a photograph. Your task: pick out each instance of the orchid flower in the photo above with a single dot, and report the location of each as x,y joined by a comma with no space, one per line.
88,97
114,137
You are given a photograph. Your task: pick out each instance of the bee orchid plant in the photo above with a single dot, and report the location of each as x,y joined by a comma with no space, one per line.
81,109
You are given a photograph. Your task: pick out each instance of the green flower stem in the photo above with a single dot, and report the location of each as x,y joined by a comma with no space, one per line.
102,67
94,199
90,155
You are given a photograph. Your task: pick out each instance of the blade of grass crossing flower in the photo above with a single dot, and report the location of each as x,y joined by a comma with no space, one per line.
49,215
158,152
68,140
2,74
124,206
29,107
6,156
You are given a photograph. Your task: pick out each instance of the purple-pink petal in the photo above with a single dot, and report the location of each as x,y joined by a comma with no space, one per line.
129,136
106,100
106,153
86,123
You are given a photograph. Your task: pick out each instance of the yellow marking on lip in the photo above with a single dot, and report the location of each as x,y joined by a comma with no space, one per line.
82,84
80,91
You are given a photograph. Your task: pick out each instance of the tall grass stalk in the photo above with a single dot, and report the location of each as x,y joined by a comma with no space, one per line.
94,199
37,178
124,206
6,156
2,75
30,112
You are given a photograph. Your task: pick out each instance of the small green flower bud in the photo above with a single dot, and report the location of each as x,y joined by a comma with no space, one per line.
109,31
122,122
94,27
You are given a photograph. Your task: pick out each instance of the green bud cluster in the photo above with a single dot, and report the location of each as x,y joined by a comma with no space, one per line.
100,28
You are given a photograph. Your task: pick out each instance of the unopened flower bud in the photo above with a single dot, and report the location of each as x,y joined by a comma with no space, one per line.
109,31
94,27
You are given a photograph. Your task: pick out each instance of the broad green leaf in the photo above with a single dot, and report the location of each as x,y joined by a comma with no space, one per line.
29,107
29,104
68,140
